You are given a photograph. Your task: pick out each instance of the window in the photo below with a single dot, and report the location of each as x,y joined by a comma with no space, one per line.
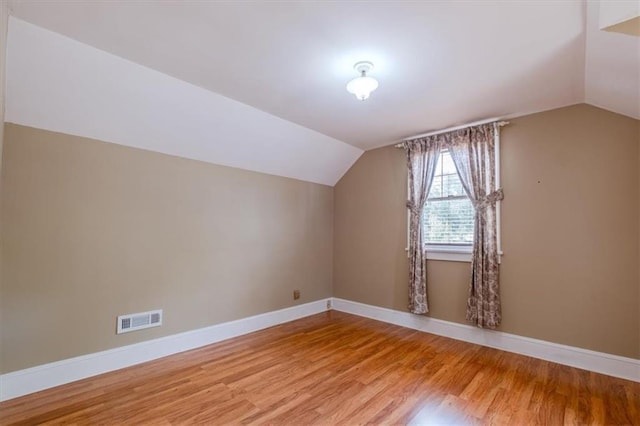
448,213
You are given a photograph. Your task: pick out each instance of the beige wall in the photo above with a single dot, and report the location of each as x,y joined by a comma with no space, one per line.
95,230
570,228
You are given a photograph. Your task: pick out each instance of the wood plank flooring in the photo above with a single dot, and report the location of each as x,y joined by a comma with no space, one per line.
335,368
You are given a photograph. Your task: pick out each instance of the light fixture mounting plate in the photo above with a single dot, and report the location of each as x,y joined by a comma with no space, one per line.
361,66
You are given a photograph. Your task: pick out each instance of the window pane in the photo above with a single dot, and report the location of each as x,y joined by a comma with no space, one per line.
446,182
449,221
447,163
436,188
451,187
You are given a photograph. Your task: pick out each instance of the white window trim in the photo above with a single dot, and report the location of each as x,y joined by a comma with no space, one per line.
463,253
498,186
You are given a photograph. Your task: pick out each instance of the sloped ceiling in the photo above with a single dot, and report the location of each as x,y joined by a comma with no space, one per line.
59,84
612,72
439,64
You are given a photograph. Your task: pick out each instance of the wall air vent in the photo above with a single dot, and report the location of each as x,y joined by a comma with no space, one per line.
132,322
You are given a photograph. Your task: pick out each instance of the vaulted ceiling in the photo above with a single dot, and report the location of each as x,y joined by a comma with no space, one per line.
439,63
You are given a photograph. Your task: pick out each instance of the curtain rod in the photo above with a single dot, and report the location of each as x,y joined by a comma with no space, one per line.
451,129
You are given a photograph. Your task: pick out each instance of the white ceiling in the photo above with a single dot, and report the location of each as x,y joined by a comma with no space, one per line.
59,84
439,63
612,69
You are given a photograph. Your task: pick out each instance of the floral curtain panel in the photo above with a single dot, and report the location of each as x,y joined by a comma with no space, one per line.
473,152
422,158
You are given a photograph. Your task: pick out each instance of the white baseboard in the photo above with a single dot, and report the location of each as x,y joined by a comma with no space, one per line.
599,362
45,376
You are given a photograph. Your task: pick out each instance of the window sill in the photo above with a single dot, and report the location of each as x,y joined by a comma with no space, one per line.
457,254
447,253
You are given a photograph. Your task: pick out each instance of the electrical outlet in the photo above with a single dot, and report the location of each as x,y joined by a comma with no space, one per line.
329,304
296,294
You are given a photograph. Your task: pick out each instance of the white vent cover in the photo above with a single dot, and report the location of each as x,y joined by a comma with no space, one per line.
132,322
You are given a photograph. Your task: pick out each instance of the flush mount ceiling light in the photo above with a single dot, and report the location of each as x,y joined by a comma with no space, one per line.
362,86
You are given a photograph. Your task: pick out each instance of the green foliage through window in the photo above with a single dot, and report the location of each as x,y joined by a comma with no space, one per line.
448,214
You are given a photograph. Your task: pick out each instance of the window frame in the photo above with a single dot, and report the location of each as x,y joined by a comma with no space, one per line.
463,252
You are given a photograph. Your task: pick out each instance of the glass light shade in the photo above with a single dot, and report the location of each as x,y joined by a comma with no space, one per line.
362,87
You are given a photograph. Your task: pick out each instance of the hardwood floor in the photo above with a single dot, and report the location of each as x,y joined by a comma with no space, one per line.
335,368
